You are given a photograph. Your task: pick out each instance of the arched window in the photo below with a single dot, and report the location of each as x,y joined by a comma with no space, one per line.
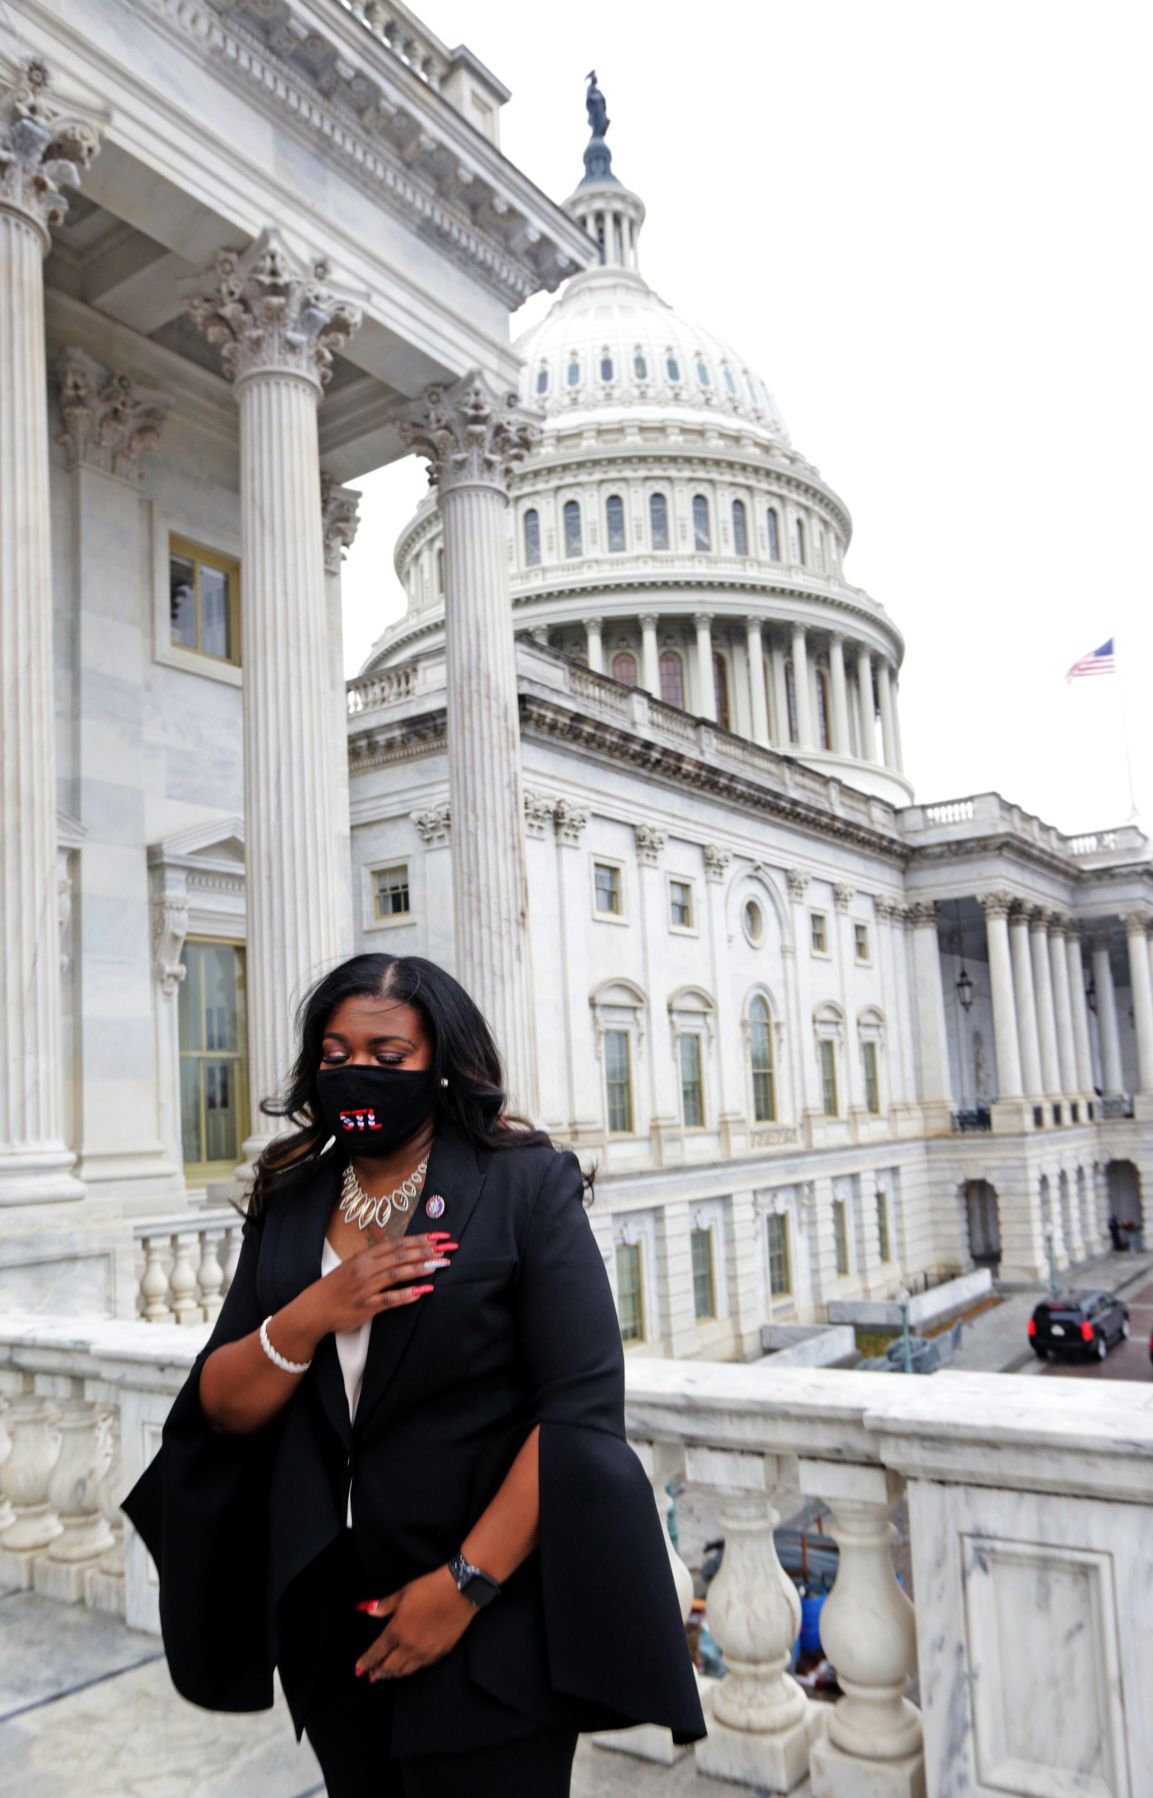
791,700
752,386
740,529
672,367
702,536
615,523
703,375
729,382
625,667
606,366
761,1067
542,379
574,372
824,735
721,689
573,536
799,540
532,538
640,366
659,520
774,535
672,679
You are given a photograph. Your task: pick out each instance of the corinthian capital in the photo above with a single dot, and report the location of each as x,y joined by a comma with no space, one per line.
340,518
40,147
471,435
108,421
270,312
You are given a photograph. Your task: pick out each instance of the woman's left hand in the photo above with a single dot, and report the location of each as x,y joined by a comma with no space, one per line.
426,1618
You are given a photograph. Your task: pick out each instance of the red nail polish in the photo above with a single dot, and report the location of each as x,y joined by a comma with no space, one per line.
366,1604
417,1291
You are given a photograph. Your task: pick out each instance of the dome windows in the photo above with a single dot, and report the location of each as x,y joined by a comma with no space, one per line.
615,524
672,366
703,375
574,370
625,668
740,529
672,678
640,364
702,532
774,524
532,538
799,541
607,370
542,378
659,521
730,384
573,534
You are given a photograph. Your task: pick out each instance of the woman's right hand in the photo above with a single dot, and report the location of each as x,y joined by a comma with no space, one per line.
377,1278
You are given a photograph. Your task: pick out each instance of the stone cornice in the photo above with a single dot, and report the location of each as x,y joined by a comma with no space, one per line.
390,132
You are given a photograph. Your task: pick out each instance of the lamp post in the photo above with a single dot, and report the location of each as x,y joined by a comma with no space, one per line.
904,1299
1047,1233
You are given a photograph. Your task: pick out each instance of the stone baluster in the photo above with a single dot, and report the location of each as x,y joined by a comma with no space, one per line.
182,1280
74,1494
154,1281
757,692
210,1276
234,1242
471,437
104,1583
1027,1034
873,1744
1112,1080
1046,1010
278,327
24,1480
759,1717
40,148
7,1514
705,683
803,688
841,740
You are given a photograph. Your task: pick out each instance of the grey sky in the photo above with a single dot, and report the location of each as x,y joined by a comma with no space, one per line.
926,226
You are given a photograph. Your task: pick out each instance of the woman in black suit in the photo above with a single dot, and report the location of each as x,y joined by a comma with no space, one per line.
397,1471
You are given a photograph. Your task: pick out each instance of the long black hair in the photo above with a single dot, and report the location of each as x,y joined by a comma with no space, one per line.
463,1052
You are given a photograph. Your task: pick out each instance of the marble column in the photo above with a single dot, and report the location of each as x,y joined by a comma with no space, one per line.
1076,978
932,1032
1009,1080
803,688
1027,1034
1046,1012
867,704
340,518
1112,1080
1063,1006
899,754
40,147
1142,995
840,695
888,729
650,655
278,327
781,737
706,706
594,643
757,695
472,436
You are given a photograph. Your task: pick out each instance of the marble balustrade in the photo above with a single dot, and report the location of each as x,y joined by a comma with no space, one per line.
1029,1506
185,1264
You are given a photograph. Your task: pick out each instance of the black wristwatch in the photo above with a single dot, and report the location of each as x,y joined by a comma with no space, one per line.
479,1588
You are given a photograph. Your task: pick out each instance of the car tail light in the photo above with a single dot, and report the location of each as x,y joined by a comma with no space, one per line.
1032,1326
1086,1331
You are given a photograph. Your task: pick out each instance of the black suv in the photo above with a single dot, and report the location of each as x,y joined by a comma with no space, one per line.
1078,1323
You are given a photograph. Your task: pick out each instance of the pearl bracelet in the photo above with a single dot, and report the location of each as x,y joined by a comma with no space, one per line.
281,1361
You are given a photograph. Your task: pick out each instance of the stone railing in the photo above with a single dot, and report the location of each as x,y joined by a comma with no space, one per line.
1029,1504
985,814
373,690
979,1118
185,1265
1119,1105
402,32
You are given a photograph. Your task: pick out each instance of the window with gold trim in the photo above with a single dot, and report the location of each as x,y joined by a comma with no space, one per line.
204,601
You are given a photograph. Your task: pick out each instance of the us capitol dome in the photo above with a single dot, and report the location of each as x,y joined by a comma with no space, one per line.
666,532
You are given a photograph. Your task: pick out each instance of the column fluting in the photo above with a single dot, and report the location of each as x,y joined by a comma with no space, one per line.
1028,1036
756,657
1009,1082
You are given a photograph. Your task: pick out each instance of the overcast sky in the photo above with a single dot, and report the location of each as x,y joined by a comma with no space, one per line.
926,226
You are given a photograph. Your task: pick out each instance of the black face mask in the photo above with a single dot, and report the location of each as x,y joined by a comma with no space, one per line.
371,1111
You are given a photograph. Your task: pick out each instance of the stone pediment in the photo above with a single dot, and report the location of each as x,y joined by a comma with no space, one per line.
218,844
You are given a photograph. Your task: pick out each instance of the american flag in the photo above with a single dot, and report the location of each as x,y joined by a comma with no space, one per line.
1098,661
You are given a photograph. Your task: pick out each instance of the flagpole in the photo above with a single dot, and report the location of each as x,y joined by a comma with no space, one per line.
1125,733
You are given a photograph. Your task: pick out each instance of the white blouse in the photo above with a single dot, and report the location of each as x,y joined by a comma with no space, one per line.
352,1350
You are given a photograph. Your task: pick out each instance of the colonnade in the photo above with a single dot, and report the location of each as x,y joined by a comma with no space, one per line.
807,689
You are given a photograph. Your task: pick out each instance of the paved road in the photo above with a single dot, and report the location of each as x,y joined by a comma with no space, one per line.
1128,1361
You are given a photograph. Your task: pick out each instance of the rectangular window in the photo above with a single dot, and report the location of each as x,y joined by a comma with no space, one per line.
680,905
840,1237
827,1051
630,1292
780,1267
211,1022
861,941
204,601
818,933
607,887
692,1086
883,1226
618,1083
390,897
872,1086
704,1285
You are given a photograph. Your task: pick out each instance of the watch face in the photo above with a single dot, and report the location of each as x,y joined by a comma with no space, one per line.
479,1591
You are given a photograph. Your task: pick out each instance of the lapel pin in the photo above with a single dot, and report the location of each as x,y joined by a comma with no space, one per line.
434,1205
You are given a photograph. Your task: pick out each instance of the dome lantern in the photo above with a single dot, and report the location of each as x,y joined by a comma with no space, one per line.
610,213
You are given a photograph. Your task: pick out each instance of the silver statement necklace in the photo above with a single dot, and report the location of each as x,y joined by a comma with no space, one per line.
360,1208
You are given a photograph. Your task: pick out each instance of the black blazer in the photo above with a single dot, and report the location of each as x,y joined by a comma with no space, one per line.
520,1330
